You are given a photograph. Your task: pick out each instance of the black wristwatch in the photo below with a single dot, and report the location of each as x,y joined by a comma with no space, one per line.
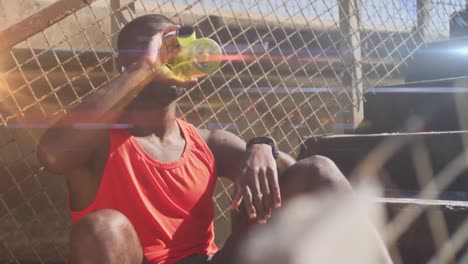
265,140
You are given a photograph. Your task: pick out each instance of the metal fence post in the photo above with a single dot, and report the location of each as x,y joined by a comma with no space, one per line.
424,18
350,48
115,20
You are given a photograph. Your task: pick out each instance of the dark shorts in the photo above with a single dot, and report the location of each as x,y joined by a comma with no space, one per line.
196,259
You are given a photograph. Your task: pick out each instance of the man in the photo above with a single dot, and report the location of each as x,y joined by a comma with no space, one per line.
140,187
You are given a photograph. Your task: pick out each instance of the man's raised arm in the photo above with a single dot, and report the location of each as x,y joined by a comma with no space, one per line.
64,147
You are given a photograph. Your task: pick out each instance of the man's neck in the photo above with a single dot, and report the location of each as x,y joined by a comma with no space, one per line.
159,121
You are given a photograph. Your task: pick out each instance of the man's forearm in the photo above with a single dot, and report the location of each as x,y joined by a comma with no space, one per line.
107,103
103,107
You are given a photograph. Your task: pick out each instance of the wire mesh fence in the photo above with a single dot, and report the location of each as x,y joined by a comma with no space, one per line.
304,71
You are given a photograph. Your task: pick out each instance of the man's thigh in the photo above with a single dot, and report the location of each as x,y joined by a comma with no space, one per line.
306,176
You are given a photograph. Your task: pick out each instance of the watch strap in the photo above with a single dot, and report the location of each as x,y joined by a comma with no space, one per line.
265,140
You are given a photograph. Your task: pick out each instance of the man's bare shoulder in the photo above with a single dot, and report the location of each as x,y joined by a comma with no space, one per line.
204,133
219,137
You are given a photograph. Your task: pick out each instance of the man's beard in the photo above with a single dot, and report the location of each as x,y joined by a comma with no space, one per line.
154,94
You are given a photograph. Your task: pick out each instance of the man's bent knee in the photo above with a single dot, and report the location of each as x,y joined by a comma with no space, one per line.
105,236
312,174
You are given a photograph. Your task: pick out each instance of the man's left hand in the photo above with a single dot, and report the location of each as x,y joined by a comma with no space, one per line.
258,185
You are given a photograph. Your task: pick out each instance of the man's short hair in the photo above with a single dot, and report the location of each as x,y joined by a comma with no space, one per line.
140,25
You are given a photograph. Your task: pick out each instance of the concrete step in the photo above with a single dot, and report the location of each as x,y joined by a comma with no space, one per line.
398,173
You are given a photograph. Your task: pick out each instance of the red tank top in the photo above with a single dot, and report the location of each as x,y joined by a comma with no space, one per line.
168,203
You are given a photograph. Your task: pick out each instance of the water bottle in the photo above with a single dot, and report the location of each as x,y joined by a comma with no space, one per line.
197,58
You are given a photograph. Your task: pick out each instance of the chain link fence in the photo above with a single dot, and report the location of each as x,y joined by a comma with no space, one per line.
303,71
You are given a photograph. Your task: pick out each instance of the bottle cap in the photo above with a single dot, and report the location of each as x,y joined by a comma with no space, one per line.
185,35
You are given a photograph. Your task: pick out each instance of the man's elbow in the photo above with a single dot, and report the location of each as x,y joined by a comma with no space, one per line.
50,160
